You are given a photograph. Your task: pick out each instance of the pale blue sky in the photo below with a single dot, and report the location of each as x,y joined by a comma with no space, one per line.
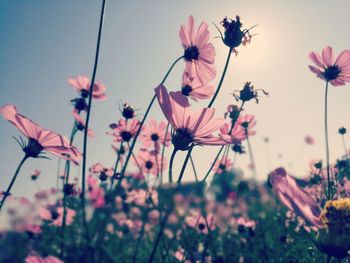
42,43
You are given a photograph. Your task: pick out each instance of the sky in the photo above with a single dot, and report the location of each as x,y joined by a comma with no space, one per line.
43,43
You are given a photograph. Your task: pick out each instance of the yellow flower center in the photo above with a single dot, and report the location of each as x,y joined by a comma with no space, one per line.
336,214
334,239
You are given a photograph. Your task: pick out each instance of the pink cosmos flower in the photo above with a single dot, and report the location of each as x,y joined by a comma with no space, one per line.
81,123
246,223
247,122
124,130
199,53
195,219
309,140
153,135
193,88
40,139
121,150
102,172
35,174
222,166
55,215
150,162
82,85
96,193
237,134
336,72
189,127
37,259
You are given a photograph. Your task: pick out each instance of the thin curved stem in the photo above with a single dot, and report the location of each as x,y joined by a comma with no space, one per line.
171,165
144,119
116,163
160,233
163,152
222,147
212,165
157,163
185,164
194,169
7,193
344,145
251,156
222,79
88,116
329,194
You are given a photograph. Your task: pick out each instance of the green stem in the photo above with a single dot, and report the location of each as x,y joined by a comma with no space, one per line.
171,165
7,193
116,163
212,165
163,152
160,233
329,194
251,156
143,121
344,145
194,169
102,15
185,164
222,147
222,78
157,163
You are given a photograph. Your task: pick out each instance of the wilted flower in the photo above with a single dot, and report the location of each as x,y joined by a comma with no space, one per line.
248,93
234,36
128,112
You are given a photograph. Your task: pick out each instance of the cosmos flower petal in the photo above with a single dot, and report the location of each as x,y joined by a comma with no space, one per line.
165,103
343,59
202,34
208,53
201,118
205,72
210,127
294,197
327,55
315,70
316,58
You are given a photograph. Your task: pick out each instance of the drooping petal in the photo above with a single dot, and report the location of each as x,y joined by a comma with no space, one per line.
294,197
165,103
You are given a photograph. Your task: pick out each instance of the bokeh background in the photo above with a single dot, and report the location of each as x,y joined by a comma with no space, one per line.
43,43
